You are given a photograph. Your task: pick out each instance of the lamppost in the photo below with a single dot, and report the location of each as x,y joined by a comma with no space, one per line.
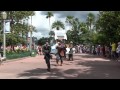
27,34
4,16
34,42
23,25
30,39
31,36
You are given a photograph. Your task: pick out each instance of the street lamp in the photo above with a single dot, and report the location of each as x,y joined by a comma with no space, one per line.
27,33
4,16
31,28
30,39
34,42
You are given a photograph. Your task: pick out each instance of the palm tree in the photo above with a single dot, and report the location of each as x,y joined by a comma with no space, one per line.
69,20
69,35
58,25
83,27
49,15
90,20
33,29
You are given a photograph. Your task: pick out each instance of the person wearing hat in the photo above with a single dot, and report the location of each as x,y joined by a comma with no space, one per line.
47,56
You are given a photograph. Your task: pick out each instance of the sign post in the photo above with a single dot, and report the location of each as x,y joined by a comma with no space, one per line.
7,27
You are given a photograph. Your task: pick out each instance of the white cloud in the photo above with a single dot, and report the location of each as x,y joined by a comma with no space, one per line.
42,23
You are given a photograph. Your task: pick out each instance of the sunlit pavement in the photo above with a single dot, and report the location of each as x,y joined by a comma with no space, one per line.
84,66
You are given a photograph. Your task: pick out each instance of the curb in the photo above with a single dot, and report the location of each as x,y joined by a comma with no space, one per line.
12,60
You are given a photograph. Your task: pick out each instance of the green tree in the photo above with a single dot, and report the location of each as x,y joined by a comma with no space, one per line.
43,40
69,36
69,20
49,15
90,20
17,27
109,27
58,25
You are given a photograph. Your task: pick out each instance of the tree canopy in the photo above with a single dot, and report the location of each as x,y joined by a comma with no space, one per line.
18,27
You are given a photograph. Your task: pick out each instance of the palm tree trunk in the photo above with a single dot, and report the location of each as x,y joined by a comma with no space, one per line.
26,39
49,24
22,34
49,27
69,26
90,27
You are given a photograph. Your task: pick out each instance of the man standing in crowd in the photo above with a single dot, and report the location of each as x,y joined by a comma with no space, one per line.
113,50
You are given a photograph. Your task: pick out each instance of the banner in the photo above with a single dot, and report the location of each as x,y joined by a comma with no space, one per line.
7,27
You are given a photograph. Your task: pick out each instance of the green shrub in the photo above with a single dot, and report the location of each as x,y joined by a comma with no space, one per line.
20,54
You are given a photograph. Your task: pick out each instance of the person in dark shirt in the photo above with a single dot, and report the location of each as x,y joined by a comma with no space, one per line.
71,54
47,56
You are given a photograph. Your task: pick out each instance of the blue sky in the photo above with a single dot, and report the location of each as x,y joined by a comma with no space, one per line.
42,24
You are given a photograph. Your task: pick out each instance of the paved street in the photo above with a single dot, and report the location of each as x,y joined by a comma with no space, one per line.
84,66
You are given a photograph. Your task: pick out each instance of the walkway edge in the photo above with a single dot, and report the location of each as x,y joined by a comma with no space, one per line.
12,60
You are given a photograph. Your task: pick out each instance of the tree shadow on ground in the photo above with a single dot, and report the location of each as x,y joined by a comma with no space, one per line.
100,70
76,54
54,74
33,78
86,70
93,56
38,72
77,59
89,56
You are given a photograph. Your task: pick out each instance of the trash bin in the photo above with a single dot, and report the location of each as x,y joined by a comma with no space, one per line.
33,53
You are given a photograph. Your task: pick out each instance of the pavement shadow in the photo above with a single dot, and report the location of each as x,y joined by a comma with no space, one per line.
77,59
100,70
38,72
78,54
54,74
86,70
89,70
93,56
33,78
89,56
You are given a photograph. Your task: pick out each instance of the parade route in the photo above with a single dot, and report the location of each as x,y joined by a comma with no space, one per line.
84,66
